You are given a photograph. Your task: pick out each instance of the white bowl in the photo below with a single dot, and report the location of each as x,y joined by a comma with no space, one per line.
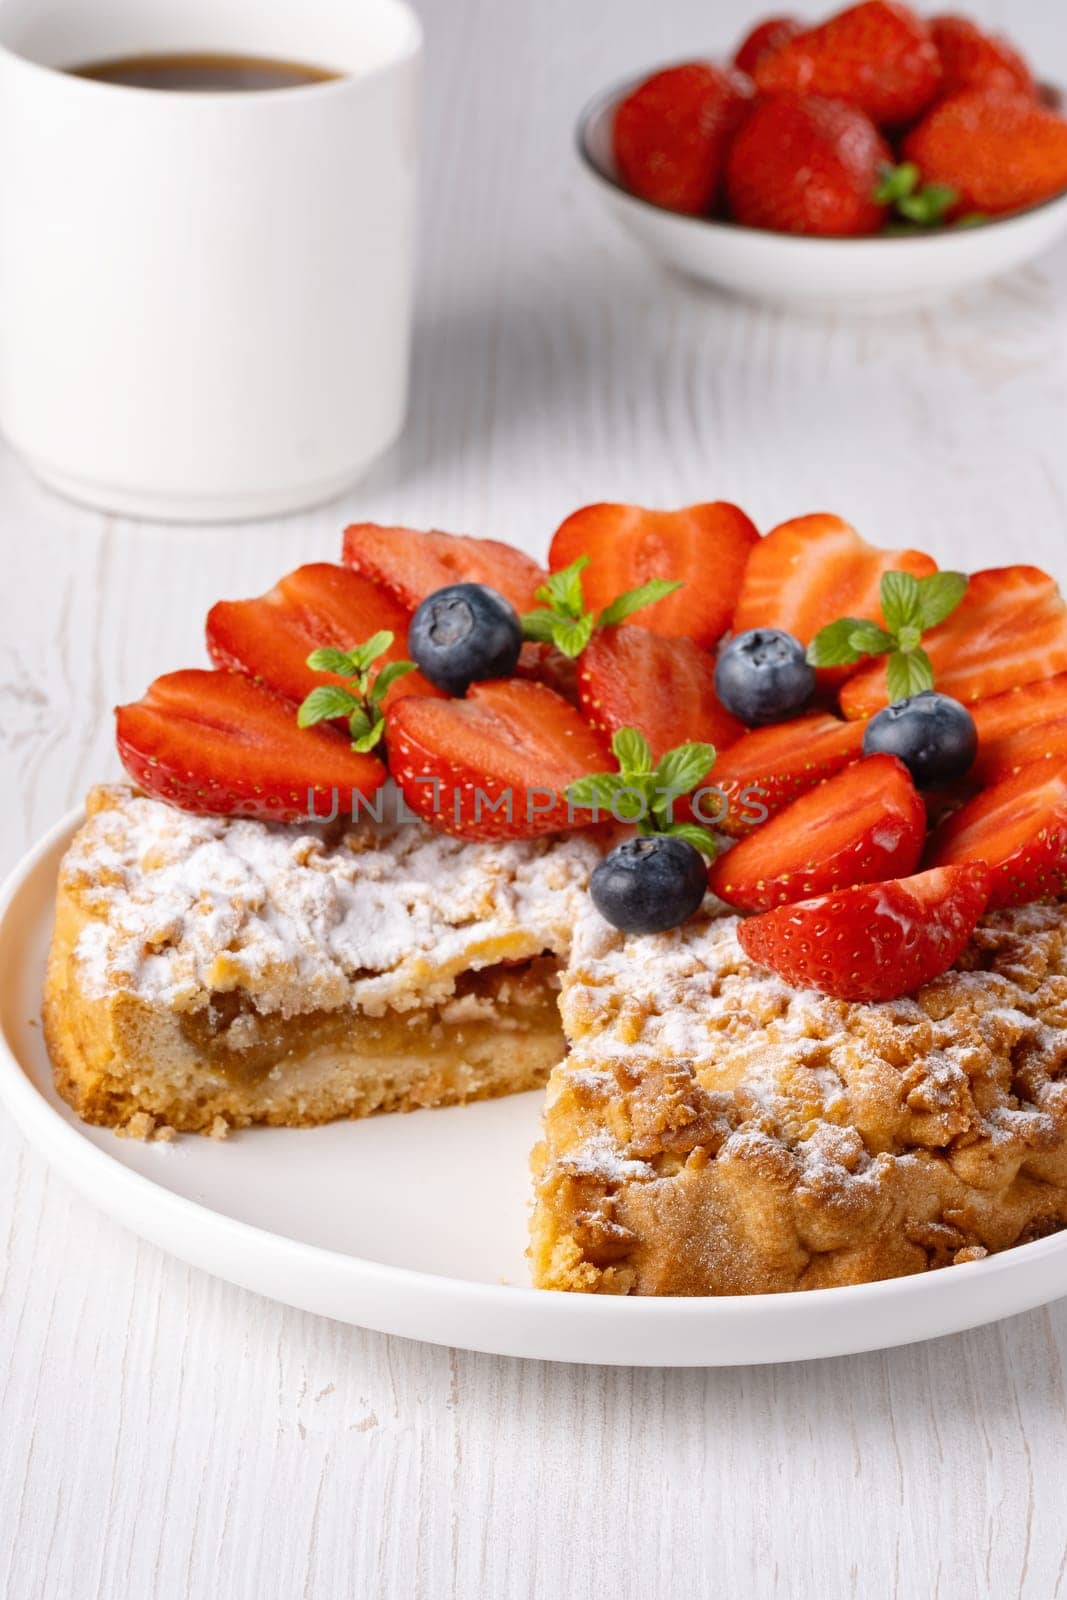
789,270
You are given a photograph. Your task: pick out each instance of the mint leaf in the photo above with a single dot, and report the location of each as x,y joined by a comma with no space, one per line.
538,626
832,646
910,605
907,673
364,654
636,600
563,591
870,640
366,741
900,601
595,792
939,595
570,636
684,767
698,837
330,660
391,673
631,803
632,751
327,701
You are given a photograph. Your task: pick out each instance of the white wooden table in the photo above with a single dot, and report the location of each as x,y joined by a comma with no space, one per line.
163,1434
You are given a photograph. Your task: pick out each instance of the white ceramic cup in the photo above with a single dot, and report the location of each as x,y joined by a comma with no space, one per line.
205,299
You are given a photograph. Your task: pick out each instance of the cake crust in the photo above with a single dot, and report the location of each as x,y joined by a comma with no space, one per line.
717,1132
204,969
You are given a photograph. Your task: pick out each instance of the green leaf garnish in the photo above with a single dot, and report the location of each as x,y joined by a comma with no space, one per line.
910,606
684,768
833,646
908,672
870,640
635,600
571,635
595,793
915,205
327,701
359,699
632,751
330,660
644,793
700,838
391,673
562,618
901,606
939,595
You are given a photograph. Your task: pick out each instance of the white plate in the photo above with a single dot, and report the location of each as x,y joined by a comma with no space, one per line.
868,274
416,1224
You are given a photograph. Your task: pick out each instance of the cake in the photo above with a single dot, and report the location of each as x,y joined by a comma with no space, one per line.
716,1131
205,968
812,1035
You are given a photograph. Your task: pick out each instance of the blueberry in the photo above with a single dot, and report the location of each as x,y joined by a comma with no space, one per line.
933,735
462,634
763,676
648,885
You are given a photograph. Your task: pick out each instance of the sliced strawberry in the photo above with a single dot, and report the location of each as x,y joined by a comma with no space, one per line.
1020,727
769,767
629,677
508,743
271,637
1019,829
219,744
765,38
412,565
704,547
1009,629
810,571
874,942
864,825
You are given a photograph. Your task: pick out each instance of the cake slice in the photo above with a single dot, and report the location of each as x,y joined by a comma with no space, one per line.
715,1131
204,968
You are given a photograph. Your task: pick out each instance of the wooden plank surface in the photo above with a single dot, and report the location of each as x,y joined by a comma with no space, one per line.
163,1434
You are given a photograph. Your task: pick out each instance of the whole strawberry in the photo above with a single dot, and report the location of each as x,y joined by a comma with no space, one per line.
807,166
878,56
765,37
999,152
972,59
671,133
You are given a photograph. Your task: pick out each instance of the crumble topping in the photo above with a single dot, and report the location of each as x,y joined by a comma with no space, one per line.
715,1130
186,907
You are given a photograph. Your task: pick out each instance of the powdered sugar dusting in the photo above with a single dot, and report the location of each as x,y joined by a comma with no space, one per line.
184,905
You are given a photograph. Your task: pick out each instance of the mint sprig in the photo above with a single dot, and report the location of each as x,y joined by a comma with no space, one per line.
922,205
563,620
910,606
644,793
359,700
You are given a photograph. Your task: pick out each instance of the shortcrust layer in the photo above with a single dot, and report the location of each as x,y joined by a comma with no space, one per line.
716,1132
203,968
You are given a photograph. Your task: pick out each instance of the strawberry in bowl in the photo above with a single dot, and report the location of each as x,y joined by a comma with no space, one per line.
873,127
